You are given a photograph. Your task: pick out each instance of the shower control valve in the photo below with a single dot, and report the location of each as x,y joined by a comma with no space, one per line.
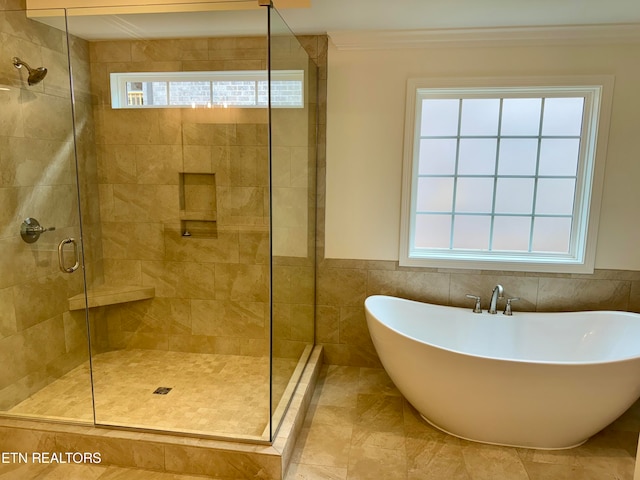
30,230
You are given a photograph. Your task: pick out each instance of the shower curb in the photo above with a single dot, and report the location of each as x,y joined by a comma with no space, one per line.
171,453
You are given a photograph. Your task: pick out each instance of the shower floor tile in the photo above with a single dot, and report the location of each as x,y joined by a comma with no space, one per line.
210,393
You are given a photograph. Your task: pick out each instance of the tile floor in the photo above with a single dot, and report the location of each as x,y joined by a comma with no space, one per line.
211,393
360,427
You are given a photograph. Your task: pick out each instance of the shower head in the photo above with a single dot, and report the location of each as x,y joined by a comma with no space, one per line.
36,75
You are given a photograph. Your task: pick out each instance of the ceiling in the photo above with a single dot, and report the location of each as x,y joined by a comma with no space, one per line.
336,15
352,15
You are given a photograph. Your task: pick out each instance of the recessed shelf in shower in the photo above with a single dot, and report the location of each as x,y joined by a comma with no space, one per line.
198,210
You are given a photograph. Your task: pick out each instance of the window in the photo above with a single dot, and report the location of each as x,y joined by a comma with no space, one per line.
504,174
244,89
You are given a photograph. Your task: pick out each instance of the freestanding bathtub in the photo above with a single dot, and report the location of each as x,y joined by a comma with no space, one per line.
533,380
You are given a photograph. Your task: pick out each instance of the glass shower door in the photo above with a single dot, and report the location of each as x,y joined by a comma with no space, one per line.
43,328
179,267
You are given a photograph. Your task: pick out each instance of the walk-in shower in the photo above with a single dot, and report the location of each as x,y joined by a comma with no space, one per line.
178,149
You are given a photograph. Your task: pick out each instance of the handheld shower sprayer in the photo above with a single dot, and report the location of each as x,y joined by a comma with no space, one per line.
36,75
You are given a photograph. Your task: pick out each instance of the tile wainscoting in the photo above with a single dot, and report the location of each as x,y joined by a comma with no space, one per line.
343,286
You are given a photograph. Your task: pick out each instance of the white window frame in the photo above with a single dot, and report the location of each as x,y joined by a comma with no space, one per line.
598,92
119,82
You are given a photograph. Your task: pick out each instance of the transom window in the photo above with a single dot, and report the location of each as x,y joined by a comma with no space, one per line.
500,175
240,89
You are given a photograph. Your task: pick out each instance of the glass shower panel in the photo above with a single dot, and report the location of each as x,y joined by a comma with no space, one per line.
43,329
179,275
293,203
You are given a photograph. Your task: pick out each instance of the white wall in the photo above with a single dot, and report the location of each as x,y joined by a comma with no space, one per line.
365,117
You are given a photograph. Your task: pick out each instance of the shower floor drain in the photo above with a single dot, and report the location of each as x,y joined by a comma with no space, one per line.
162,390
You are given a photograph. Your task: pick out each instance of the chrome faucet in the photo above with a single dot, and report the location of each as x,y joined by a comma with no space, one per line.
498,292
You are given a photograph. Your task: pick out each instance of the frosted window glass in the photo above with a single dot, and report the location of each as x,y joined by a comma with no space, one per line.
480,116
517,156
474,195
511,233
471,232
514,195
477,156
437,156
439,117
521,116
562,116
432,231
435,194
559,156
496,173
159,93
555,196
551,235
192,93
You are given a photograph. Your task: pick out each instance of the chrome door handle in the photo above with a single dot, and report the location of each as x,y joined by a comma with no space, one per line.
61,255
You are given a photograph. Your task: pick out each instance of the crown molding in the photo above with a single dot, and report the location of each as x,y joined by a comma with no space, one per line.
487,37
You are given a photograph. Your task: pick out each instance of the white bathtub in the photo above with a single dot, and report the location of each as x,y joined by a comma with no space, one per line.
534,380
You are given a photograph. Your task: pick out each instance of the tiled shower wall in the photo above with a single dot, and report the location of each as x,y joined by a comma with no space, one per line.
294,197
212,293
40,339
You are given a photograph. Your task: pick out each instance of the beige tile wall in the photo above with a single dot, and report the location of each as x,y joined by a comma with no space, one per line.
295,199
343,286
13,4
212,294
39,339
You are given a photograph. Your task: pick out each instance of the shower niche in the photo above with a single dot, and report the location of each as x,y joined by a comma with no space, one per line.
198,215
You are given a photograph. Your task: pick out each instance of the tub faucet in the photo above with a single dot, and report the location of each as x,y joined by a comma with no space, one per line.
497,293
